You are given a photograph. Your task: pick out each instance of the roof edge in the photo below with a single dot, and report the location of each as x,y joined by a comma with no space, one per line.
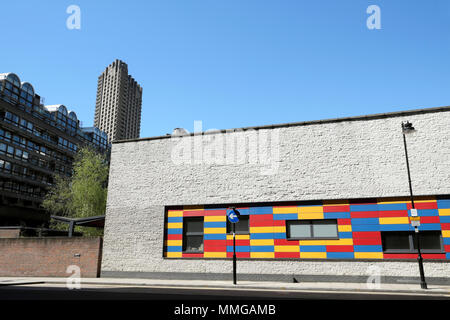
301,123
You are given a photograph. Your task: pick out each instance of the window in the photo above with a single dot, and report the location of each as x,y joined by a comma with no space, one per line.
193,234
312,229
242,227
405,242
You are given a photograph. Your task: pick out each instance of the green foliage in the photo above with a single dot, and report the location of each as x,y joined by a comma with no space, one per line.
82,195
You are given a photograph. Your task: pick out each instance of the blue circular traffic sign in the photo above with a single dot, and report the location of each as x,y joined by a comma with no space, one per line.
232,216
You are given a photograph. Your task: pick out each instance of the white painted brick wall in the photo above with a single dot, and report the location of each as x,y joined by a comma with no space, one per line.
342,160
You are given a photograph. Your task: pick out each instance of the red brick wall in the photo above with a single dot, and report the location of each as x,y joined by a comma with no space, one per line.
50,257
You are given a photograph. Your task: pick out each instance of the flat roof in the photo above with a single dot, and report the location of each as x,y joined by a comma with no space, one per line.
302,123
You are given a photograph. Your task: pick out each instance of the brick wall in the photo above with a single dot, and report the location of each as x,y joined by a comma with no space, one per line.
49,257
10,233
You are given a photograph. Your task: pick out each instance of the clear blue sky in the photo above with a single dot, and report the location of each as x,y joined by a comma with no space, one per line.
235,63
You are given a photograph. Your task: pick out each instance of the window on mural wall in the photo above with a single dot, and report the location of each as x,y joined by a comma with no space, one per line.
404,242
241,227
193,234
312,229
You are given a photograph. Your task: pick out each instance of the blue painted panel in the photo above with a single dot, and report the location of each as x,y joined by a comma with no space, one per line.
285,216
340,255
215,224
175,219
368,248
364,207
359,221
313,248
262,248
336,215
213,236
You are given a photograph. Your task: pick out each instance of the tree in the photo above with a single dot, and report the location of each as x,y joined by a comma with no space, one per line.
83,194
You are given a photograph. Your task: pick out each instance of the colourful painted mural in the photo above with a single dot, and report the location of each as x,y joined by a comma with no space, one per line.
361,226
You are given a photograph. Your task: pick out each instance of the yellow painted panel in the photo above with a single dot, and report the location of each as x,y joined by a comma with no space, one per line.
315,255
175,225
318,209
446,233
279,229
262,255
261,229
261,242
285,210
239,237
215,230
368,255
215,218
342,242
287,248
173,254
174,242
444,212
175,213
394,220
345,228
215,255
308,216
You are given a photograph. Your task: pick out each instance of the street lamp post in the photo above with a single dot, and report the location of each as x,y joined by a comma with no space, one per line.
407,128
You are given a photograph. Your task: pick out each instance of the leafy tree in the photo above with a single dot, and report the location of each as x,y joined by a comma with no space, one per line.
82,195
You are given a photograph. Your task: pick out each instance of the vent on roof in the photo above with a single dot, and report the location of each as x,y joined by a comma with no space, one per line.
179,132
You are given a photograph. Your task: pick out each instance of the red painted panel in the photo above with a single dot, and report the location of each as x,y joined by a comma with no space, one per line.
239,255
174,237
367,241
367,234
423,205
284,242
433,256
365,214
445,226
279,223
215,212
261,223
261,217
393,213
238,242
345,208
399,256
339,248
192,255
287,254
215,245
198,213
344,221
429,220
413,256
447,248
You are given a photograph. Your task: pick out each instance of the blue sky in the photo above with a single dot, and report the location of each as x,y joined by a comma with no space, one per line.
235,63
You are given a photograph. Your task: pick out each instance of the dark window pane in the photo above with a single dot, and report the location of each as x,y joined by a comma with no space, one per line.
429,240
241,227
396,241
193,243
193,225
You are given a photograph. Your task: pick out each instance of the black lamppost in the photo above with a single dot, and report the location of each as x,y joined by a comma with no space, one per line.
233,222
408,128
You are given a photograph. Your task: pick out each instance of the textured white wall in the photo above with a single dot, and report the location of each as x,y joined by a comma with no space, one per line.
340,160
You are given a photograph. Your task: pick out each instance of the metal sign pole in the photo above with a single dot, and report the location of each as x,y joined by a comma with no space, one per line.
234,253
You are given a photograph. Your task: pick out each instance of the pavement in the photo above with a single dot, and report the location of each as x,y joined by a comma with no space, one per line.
408,288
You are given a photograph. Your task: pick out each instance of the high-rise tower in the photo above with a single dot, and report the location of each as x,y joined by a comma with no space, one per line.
119,103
